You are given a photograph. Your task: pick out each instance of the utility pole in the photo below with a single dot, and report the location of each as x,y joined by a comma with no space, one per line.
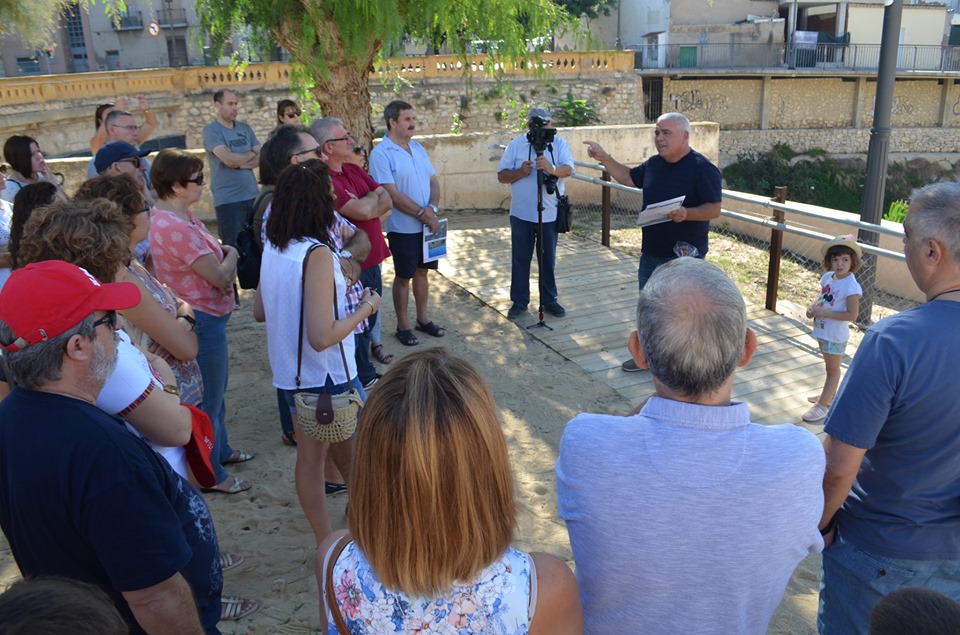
871,206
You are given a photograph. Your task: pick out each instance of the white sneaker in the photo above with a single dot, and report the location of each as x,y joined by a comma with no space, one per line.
817,413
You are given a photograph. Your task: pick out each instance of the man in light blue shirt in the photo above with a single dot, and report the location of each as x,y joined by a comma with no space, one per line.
402,167
518,168
686,517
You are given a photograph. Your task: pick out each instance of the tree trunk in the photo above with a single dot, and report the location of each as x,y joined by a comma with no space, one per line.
345,94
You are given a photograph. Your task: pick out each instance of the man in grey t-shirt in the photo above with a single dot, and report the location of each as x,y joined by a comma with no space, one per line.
695,518
232,151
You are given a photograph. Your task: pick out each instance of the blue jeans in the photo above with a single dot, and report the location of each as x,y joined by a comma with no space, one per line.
214,360
854,580
365,369
328,388
286,421
523,241
230,220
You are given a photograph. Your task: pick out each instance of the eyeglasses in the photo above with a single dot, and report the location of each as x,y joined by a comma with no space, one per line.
349,137
134,160
293,114
198,179
110,319
131,128
315,150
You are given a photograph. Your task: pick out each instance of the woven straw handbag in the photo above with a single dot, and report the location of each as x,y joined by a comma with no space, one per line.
327,418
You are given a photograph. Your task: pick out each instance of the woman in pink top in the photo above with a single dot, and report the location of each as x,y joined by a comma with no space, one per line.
189,260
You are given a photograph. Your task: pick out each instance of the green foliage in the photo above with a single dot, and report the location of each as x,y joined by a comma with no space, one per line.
590,8
897,211
457,126
820,180
35,20
570,112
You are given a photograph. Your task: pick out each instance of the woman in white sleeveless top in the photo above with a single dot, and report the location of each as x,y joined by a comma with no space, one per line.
301,219
431,518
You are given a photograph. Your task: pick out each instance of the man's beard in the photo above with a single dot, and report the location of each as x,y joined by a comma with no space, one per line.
101,368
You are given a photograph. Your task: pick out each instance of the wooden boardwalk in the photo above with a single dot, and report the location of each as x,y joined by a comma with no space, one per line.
598,288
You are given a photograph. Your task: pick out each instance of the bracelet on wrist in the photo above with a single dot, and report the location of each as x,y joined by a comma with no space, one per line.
830,526
420,212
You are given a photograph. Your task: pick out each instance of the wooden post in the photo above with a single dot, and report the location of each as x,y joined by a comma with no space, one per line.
776,250
605,212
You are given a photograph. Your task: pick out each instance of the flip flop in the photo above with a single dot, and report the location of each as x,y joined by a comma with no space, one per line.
289,438
239,456
238,485
234,607
407,338
334,488
431,329
382,357
230,560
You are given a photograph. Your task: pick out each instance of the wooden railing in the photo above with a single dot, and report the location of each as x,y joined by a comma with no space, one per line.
107,85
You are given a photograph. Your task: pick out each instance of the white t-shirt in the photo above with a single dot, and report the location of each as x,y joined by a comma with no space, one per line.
833,295
132,380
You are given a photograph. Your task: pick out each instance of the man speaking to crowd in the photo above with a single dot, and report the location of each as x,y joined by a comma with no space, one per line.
677,170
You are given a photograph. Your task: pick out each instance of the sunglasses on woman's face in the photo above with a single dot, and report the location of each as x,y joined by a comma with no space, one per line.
198,179
292,114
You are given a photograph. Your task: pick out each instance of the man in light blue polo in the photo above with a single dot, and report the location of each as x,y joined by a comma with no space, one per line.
232,152
518,168
402,167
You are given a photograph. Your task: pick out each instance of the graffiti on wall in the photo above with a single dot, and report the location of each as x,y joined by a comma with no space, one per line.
704,105
901,106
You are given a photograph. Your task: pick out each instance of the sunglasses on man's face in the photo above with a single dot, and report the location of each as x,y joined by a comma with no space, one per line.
109,319
134,160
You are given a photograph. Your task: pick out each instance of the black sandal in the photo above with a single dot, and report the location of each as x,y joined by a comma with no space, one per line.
430,328
407,338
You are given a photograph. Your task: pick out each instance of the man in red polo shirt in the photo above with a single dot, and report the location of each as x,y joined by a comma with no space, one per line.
364,202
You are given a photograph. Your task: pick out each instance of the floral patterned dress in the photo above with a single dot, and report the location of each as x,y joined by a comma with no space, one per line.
497,602
189,380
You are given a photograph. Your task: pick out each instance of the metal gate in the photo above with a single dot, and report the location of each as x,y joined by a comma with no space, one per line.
652,98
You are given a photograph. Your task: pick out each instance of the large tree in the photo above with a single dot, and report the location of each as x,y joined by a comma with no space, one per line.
334,43
35,20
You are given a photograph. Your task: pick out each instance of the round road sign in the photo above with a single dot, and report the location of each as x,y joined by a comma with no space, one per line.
153,28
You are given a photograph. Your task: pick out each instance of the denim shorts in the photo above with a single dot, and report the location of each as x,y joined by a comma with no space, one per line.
328,388
854,580
832,348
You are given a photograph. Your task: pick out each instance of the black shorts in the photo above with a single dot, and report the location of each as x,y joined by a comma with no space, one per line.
407,250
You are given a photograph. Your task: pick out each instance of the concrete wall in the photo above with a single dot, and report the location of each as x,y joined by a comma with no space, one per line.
467,164
921,25
701,12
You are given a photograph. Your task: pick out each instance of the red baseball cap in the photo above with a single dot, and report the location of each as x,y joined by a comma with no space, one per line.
47,299
200,446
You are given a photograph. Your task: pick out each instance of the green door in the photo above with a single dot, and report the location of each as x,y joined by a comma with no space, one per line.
688,57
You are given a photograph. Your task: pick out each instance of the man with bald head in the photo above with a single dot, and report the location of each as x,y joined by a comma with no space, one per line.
690,496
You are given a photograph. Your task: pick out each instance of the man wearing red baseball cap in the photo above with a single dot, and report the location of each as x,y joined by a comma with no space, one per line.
80,496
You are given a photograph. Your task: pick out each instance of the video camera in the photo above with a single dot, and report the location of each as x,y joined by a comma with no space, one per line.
540,136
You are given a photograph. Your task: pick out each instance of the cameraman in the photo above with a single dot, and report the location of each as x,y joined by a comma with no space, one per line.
518,168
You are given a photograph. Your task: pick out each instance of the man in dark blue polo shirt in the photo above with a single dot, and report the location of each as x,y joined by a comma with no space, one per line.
677,170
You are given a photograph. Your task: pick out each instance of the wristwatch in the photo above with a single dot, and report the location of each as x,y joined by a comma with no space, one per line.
346,253
172,389
433,207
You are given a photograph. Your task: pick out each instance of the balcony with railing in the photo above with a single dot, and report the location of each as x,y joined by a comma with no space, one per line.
825,57
128,21
172,18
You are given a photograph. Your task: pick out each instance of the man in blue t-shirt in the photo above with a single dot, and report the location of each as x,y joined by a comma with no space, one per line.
518,168
891,515
80,496
677,170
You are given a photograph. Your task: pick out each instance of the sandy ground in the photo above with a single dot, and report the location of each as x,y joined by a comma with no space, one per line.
537,392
